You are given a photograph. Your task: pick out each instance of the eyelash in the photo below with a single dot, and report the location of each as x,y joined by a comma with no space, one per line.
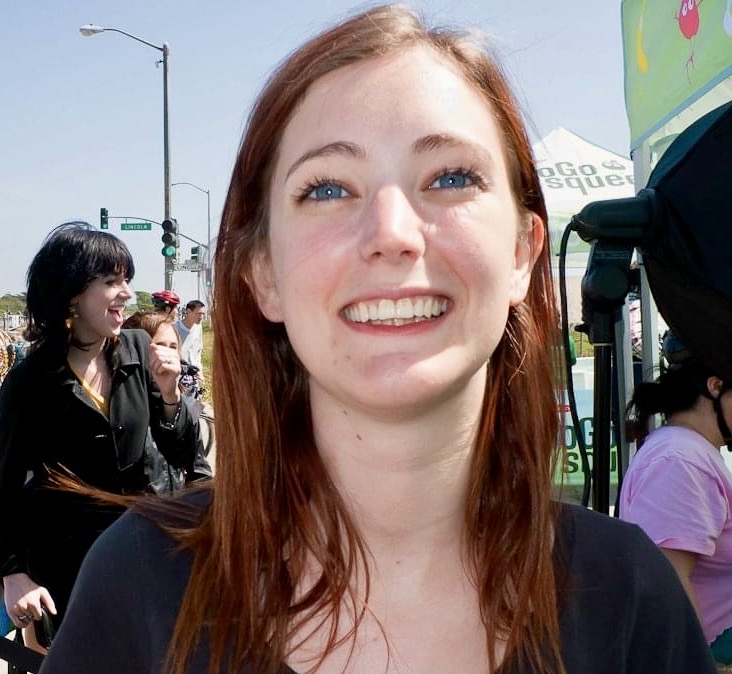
305,190
471,174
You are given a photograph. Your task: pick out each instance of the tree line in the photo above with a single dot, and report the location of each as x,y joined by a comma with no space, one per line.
16,304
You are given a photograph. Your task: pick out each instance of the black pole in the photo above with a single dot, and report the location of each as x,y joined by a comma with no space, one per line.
601,426
604,288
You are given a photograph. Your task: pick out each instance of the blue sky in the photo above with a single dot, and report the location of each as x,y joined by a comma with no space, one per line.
81,117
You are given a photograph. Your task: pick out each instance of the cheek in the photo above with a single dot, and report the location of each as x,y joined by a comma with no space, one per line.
97,304
304,241
484,257
308,257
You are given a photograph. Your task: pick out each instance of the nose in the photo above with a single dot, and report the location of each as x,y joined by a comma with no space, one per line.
392,230
126,291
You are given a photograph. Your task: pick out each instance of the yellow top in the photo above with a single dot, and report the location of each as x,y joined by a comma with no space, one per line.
97,398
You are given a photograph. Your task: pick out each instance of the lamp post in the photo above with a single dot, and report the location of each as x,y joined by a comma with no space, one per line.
208,230
91,29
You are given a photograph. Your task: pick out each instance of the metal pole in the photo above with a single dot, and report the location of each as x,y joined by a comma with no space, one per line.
166,162
208,243
92,29
206,262
601,426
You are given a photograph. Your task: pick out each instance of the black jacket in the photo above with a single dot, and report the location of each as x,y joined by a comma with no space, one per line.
47,421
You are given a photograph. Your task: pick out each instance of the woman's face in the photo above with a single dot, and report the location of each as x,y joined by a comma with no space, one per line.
99,308
166,335
396,246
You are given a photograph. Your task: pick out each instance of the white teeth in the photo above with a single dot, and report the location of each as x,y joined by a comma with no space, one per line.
396,312
404,308
387,310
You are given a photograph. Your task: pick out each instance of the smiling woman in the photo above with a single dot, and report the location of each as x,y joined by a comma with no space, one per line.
80,404
385,407
417,209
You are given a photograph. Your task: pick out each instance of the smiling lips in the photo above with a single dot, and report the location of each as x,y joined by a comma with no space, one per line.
403,311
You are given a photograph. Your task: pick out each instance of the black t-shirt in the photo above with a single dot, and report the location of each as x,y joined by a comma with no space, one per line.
623,610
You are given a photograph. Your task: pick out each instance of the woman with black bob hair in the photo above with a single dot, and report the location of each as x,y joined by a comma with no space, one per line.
80,405
678,487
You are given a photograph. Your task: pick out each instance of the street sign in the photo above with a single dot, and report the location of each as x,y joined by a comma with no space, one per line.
187,265
135,226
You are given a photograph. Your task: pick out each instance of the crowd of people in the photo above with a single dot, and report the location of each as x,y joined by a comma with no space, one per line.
90,402
384,375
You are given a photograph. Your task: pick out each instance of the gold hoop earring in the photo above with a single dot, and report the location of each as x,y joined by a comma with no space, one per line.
73,314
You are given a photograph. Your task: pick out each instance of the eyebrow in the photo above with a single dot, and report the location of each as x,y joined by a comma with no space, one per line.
338,147
433,141
436,141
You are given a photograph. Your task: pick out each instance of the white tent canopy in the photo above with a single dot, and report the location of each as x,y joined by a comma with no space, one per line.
573,173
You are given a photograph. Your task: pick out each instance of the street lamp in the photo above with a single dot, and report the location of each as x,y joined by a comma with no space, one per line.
91,29
208,230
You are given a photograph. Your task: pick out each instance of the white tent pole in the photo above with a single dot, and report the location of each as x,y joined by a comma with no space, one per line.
649,313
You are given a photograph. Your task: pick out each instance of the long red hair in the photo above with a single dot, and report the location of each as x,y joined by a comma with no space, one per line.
273,502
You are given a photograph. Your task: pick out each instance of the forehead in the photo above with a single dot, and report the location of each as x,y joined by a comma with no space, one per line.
408,94
104,276
166,332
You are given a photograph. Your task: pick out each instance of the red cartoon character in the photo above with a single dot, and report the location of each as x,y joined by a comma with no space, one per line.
688,20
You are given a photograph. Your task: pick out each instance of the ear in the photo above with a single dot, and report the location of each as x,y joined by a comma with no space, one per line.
714,386
261,282
529,244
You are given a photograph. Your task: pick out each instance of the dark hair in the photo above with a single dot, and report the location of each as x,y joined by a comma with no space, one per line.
71,257
194,304
259,543
677,389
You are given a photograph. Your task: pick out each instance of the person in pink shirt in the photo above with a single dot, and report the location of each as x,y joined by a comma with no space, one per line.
678,488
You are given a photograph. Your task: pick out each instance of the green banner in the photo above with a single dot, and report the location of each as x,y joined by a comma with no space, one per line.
674,53
569,472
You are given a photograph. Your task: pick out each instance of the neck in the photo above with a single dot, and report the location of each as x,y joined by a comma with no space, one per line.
188,323
700,418
406,480
88,354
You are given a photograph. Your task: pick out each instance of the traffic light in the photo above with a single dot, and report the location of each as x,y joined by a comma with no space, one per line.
103,218
170,237
194,253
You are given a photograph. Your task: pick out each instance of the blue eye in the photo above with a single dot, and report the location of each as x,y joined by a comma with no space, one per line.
453,180
325,191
